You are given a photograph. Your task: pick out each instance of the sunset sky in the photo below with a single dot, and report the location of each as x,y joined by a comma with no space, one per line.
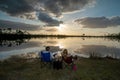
90,17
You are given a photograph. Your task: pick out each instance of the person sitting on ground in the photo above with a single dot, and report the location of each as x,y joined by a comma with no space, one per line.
57,61
48,57
69,59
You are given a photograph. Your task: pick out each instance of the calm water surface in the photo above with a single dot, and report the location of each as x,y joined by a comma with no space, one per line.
80,46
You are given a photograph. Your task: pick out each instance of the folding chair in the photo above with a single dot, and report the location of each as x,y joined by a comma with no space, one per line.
68,62
45,59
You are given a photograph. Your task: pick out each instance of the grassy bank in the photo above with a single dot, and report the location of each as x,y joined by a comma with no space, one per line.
87,69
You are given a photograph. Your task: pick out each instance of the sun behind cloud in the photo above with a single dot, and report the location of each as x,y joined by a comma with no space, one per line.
61,27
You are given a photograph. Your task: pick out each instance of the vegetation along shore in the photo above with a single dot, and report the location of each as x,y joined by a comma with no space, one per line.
16,68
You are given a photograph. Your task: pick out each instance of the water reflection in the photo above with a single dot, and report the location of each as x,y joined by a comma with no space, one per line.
10,43
100,50
79,46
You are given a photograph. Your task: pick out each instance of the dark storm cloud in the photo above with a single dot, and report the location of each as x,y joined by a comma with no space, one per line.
46,8
99,22
58,7
50,21
15,7
18,25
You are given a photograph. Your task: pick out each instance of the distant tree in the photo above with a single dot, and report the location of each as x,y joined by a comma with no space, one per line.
9,30
4,31
19,32
25,32
0,31
83,34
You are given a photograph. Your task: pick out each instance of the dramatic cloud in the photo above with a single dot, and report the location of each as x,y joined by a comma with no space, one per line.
57,7
15,7
50,21
51,29
31,16
45,8
18,25
99,22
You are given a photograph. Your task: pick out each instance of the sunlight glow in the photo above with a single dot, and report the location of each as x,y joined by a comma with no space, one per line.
60,45
61,27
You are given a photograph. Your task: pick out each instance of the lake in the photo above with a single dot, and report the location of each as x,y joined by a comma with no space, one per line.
76,45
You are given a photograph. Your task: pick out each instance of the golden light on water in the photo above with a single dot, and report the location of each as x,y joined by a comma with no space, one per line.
60,45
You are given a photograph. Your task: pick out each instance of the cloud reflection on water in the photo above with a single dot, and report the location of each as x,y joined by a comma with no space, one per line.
74,45
100,50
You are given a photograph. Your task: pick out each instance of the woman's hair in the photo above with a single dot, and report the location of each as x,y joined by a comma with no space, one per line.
65,51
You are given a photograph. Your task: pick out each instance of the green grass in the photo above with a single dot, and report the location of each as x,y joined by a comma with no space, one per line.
87,69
